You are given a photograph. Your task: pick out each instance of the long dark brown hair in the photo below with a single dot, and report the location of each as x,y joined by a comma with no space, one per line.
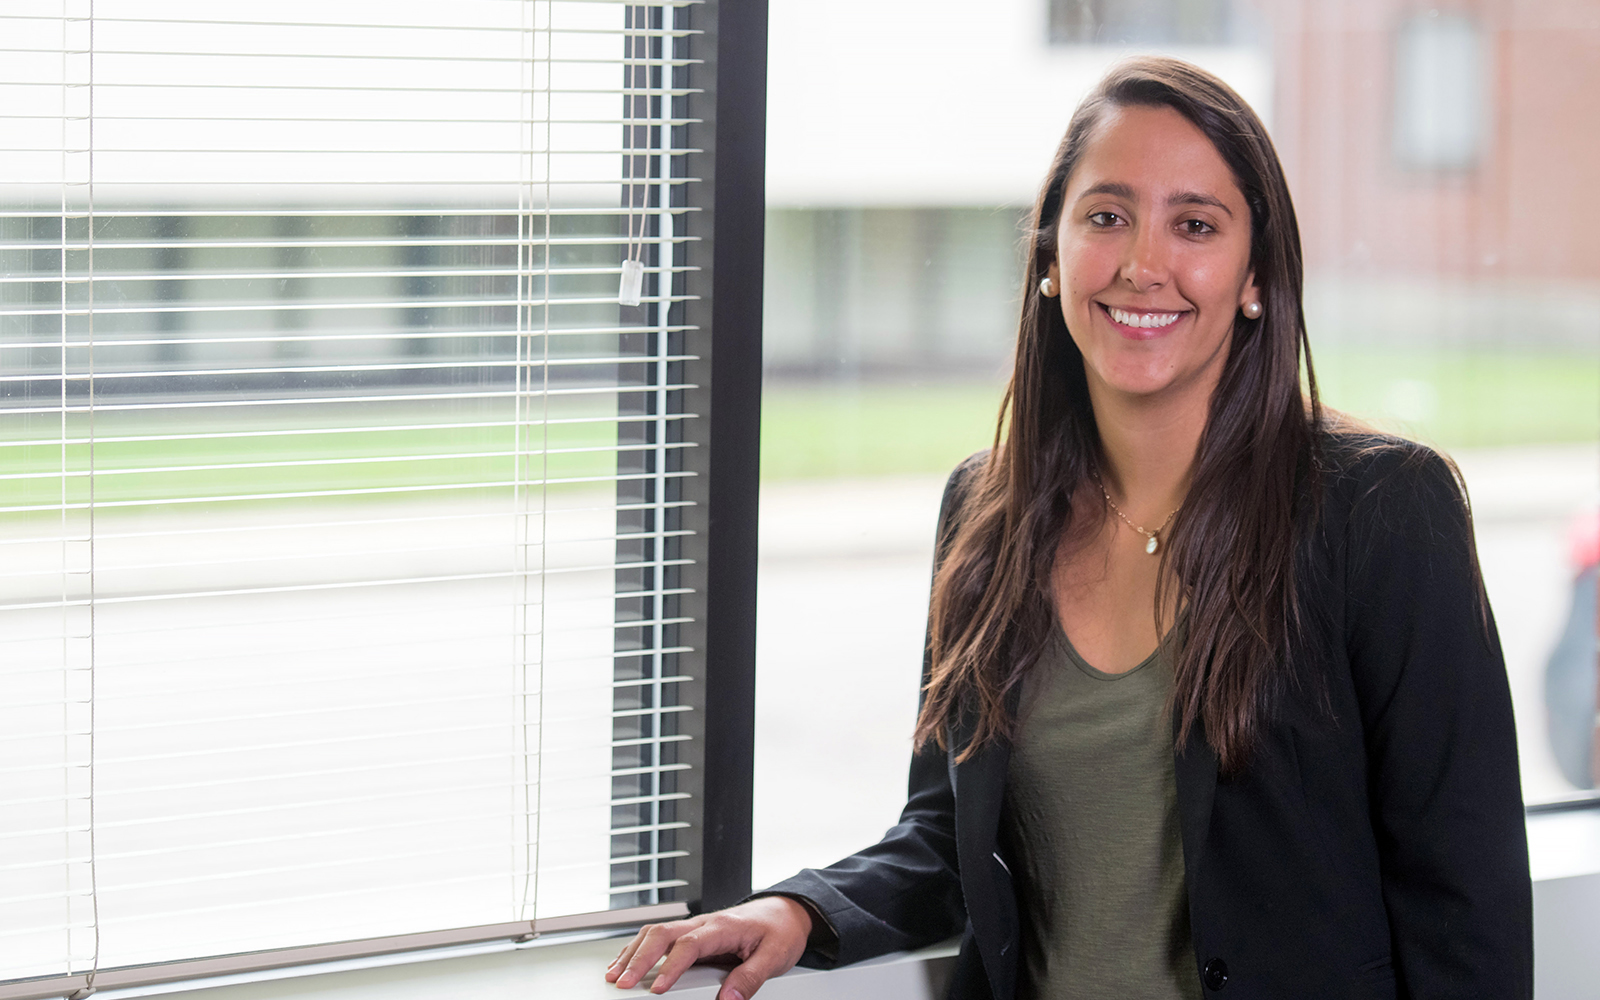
1230,553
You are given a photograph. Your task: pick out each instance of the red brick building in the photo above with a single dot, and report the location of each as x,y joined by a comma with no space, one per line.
1523,204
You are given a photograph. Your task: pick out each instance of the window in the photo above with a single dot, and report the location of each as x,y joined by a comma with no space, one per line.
1460,314
355,582
1440,85
1141,22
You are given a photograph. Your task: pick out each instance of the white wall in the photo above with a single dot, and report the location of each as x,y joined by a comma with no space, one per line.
939,102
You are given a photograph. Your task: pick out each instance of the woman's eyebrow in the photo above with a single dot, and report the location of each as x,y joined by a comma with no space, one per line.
1196,198
1112,188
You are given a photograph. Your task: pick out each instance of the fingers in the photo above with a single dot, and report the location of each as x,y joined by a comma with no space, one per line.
689,949
768,935
713,938
769,960
645,950
620,962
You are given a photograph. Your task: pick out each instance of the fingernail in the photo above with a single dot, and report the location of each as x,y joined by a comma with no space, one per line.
734,994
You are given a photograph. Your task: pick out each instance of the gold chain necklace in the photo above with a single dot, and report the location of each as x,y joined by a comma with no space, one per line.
1152,539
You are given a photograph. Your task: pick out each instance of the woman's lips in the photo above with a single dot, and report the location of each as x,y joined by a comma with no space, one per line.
1138,324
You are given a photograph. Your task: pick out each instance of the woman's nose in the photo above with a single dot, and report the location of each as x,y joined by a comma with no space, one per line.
1145,265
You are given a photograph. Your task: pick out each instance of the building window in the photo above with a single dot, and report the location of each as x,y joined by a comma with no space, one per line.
1440,94
1141,22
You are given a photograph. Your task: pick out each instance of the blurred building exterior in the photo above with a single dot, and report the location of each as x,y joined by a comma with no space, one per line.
1441,159
1442,166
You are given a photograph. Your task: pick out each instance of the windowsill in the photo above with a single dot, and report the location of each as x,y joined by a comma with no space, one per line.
1564,854
1564,849
1564,844
570,969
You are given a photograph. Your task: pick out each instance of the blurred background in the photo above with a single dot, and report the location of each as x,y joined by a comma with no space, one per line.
1443,164
310,322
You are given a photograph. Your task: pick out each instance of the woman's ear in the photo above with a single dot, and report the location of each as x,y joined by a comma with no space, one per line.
1050,285
1250,294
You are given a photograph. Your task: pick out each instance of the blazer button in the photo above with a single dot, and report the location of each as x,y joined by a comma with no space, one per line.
1215,974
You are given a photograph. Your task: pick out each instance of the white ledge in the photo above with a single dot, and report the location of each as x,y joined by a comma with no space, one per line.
570,970
1564,849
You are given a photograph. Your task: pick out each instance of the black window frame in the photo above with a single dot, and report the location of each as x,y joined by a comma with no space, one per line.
728,131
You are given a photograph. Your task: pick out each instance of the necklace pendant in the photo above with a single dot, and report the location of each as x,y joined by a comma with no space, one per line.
1151,544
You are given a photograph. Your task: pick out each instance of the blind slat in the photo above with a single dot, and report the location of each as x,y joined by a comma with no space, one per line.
315,212
545,363
171,724
377,397
135,791
483,303
321,743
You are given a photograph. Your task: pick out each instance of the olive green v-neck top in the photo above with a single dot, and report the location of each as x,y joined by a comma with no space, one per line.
1090,829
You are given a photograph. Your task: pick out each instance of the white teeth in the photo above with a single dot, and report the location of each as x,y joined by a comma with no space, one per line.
1148,321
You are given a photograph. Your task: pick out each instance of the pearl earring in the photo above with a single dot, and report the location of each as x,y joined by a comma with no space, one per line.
1252,310
1047,288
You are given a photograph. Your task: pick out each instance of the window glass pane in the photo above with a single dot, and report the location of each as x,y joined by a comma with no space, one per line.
1440,77
1144,22
1453,295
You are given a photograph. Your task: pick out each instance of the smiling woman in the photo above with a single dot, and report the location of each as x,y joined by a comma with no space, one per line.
1213,697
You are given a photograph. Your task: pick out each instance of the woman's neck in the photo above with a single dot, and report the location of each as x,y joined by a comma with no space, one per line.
1149,447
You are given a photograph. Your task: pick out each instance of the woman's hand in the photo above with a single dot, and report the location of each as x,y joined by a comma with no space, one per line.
766,935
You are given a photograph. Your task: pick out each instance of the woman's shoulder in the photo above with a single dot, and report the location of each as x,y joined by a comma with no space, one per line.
1391,498
962,474
959,486
1366,470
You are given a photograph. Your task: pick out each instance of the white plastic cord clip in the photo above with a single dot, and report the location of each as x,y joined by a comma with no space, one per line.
632,287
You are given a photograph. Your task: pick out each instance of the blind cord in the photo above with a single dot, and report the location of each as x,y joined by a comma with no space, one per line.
523,851
94,874
631,290
532,777
544,431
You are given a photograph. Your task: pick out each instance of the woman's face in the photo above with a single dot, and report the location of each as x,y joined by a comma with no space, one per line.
1153,256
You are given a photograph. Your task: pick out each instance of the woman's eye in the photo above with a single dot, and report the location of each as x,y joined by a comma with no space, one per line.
1104,219
1197,227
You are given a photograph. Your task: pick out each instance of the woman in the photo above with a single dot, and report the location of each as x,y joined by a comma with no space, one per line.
1213,700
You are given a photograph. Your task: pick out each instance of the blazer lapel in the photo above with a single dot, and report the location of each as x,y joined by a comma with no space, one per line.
979,784
1195,765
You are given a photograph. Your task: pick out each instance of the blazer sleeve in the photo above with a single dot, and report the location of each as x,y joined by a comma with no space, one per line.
1445,787
904,891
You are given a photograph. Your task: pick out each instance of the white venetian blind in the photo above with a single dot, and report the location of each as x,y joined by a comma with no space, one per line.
338,507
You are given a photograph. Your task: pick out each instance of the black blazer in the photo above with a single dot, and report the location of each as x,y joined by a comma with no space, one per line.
1374,848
